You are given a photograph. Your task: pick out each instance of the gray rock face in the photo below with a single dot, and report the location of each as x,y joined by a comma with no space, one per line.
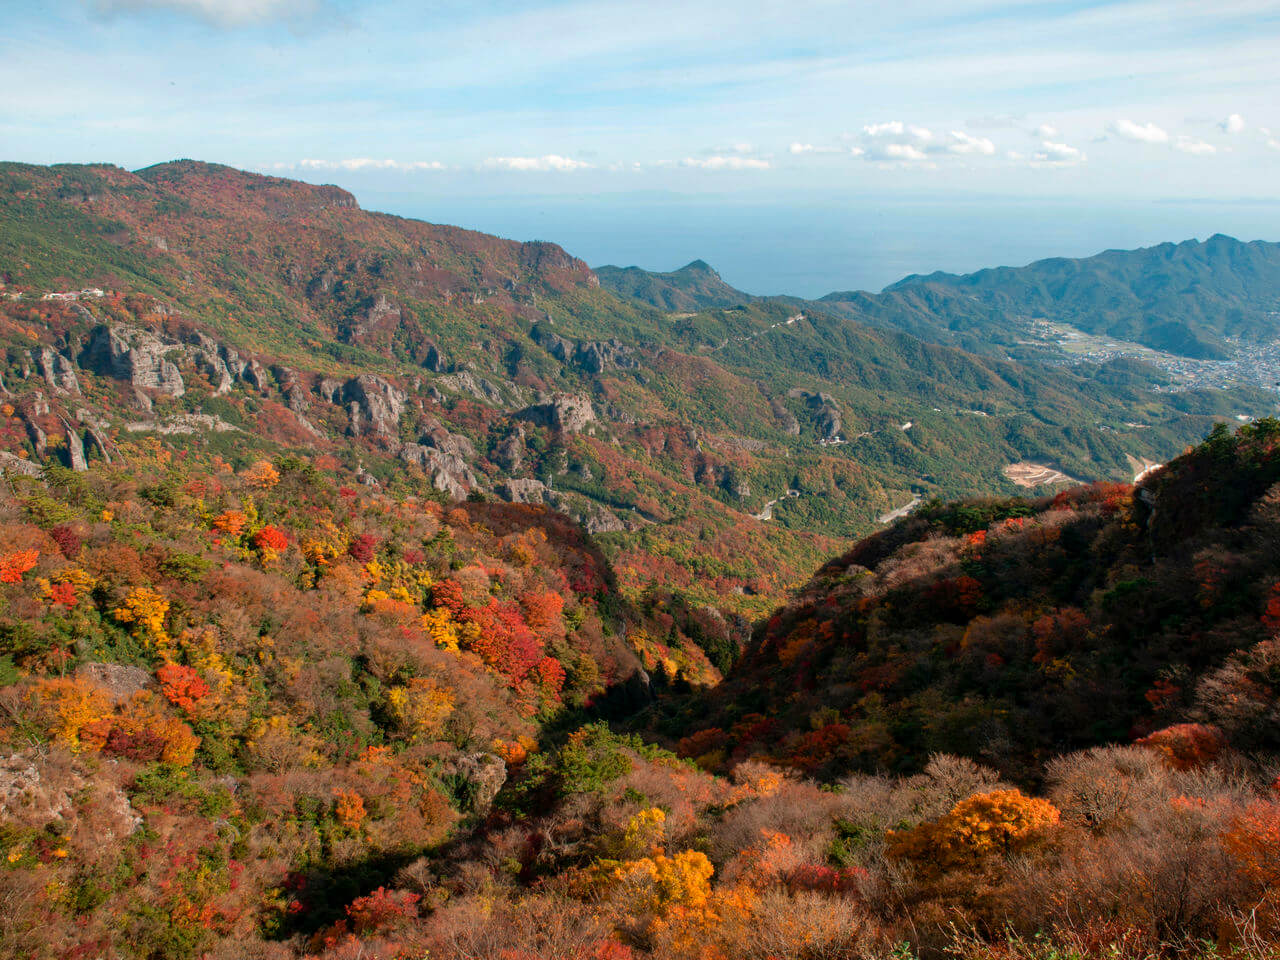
330,389
382,314
448,471
58,372
118,681
133,354
596,519
98,441
209,359
39,441
374,404
485,772
825,411
596,356
593,356
256,374
510,452
34,793
567,413
435,360
75,449
435,434
464,381
10,463
518,490
785,417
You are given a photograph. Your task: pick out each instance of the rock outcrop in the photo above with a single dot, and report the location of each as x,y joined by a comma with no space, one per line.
375,406
510,452
75,449
824,410
567,413
592,356
136,355
58,372
484,774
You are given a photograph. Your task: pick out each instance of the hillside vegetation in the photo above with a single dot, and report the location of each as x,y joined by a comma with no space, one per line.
292,320
264,713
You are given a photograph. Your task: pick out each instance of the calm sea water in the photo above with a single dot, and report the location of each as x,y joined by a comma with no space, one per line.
812,246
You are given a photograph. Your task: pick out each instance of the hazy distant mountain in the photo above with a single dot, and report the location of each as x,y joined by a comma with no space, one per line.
695,286
1183,298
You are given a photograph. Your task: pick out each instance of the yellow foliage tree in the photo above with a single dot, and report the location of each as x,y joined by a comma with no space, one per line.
68,706
660,883
420,707
441,628
261,476
146,610
978,828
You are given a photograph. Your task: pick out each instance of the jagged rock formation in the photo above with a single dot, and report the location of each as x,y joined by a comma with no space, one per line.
58,372
567,413
136,355
592,356
823,408
374,405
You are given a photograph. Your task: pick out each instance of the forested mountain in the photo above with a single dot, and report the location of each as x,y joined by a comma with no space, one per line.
252,315
1188,298
1012,630
695,286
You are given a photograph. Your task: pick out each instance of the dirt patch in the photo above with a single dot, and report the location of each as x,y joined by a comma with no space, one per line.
1035,474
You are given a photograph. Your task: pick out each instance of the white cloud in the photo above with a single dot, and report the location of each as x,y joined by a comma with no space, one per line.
1046,131
1053,154
1233,124
1015,155
367,163
222,13
1273,143
725,163
1196,147
857,151
904,151
894,128
896,142
963,143
551,161
1141,132
798,149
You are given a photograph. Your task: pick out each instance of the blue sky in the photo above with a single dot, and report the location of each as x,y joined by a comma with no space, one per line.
425,106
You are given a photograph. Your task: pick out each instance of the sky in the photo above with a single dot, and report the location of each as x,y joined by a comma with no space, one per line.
803,146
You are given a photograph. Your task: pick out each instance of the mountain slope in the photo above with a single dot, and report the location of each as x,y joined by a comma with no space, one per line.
1011,630
1186,298
695,286
247,315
